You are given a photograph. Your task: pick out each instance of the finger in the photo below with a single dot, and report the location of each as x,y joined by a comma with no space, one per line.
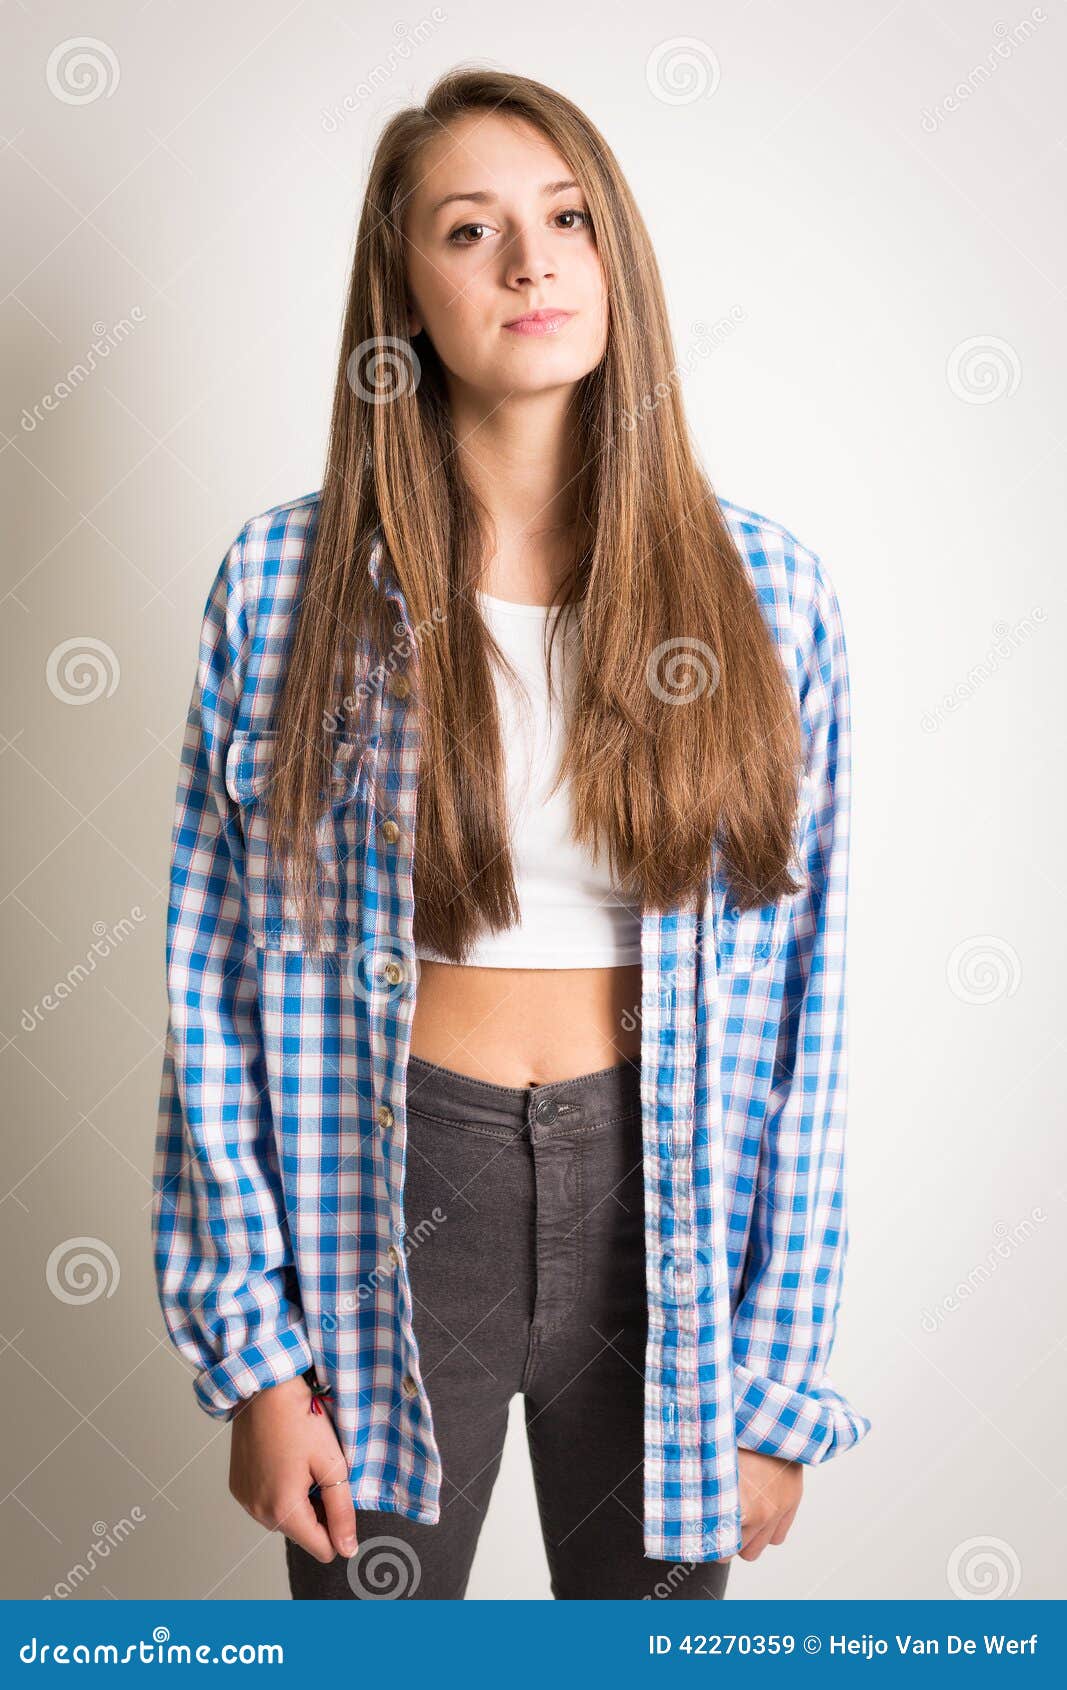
753,1545
301,1524
340,1513
784,1523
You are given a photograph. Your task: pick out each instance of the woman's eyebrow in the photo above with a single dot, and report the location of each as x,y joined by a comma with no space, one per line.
482,196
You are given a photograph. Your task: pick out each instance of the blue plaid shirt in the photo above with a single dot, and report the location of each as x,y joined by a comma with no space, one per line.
278,1190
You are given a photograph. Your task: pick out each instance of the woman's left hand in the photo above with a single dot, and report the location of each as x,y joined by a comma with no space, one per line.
770,1496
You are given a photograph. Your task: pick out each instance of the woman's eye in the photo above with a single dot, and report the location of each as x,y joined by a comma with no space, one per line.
583,221
454,236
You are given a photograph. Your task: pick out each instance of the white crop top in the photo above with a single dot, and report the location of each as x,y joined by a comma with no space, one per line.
571,915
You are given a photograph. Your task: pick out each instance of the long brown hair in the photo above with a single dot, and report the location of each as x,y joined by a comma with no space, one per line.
683,724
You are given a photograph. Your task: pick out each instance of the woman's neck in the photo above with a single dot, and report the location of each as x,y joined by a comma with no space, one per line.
520,463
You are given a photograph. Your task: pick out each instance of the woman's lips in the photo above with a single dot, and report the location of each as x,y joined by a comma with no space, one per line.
540,322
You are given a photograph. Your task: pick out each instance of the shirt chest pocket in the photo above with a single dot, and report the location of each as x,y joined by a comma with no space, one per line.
747,941
341,844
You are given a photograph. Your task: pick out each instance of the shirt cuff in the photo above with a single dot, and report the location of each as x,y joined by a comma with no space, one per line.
271,1360
809,1426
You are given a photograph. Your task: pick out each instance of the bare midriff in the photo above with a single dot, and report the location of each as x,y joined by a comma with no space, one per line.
526,1026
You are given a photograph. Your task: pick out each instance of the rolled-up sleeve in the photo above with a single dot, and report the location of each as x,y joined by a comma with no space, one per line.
223,1261
785,1318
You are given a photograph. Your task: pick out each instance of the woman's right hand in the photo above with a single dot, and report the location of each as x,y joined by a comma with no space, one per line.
278,1449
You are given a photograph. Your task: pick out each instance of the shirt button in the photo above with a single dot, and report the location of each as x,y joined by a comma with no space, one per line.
390,832
393,972
386,1117
408,1386
394,1255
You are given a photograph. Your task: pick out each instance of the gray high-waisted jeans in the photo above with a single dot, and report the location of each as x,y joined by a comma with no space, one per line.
534,1284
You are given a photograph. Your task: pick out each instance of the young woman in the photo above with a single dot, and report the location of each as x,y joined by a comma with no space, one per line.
506,939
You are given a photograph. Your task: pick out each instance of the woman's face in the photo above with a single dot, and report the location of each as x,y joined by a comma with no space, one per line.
493,233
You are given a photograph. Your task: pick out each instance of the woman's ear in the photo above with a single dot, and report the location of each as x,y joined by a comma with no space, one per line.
414,324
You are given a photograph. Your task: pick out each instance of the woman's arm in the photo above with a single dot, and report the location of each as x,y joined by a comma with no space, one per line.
223,1260
224,1265
783,1327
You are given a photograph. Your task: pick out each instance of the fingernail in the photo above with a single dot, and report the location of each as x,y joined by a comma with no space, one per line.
348,1545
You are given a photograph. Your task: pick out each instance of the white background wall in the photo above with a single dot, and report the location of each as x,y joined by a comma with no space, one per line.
889,257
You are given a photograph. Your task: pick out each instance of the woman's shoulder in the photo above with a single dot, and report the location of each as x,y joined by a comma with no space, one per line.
772,550
259,583
273,550
274,545
790,578
264,573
